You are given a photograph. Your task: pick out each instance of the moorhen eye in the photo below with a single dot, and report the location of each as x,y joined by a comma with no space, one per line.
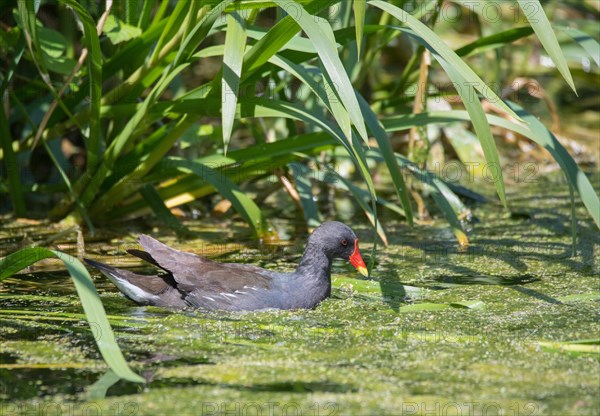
344,243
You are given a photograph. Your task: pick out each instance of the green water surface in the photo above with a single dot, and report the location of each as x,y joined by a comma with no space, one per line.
509,326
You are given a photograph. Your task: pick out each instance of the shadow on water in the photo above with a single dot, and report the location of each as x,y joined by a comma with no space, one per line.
25,383
465,279
80,385
536,294
394,292
30,383
545,239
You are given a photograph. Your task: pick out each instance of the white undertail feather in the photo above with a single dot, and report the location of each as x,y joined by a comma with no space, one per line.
134,292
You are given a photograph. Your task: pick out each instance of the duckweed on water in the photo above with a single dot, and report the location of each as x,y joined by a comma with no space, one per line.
510,325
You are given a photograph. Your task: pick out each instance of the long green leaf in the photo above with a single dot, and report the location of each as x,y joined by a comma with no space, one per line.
157,205
278,36
99,389
494,41
591,45
544,137
173,25
94,61
321,34
92,305
360,7
361,196
543,29
480,124
301,174
199,32
538,133
444,51
387,152
229,190
12,167
233,56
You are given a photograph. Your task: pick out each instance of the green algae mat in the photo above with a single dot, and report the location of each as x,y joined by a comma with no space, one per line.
509,327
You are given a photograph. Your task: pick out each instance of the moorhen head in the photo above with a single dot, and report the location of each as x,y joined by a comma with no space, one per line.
193,281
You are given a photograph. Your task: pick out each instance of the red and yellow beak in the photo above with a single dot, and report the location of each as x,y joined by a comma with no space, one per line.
357,261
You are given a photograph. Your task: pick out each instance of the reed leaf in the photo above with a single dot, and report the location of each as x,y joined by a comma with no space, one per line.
543,29
92,305
233,54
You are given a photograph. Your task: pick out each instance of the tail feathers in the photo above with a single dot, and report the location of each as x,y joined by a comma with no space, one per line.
142,289
144,255
151,244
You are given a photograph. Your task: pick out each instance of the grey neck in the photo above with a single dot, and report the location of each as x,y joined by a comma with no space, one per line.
313,276
314,264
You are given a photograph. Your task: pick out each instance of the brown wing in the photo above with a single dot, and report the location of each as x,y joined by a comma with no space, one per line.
234,287
193,272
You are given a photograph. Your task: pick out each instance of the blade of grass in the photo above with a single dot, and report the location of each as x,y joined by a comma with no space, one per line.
321,34
543,29
145,15
157,205
360,7
301,174
99,389
278,36
199,32
591,45
92,44
387,153
494,41
437,45
92,305
473,105
362,197
373,288
12,167
538,133
229,190
233,55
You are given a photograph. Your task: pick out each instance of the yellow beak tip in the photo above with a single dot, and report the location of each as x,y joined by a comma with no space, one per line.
363,271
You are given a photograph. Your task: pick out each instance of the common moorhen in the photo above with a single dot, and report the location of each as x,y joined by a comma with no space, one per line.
191,280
